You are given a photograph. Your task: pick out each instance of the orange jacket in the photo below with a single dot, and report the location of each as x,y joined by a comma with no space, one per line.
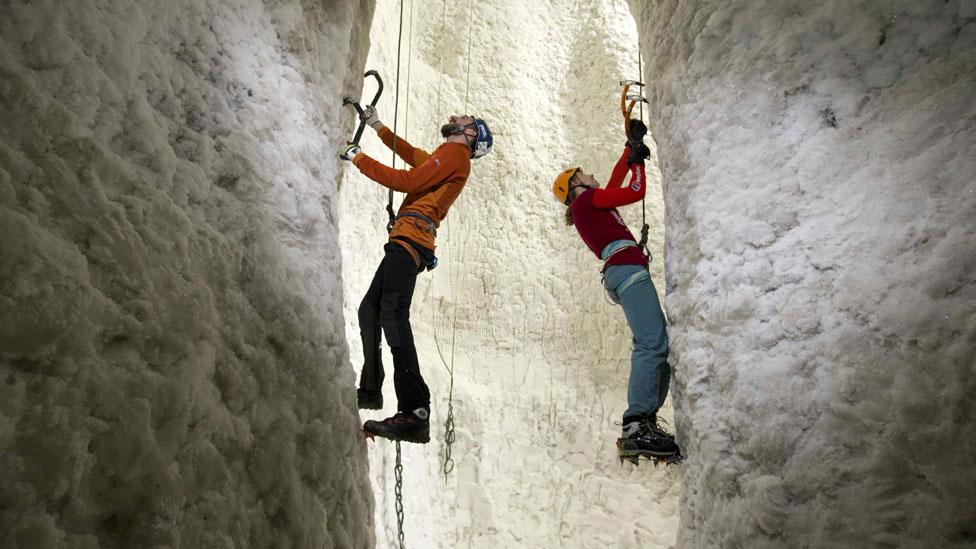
432,185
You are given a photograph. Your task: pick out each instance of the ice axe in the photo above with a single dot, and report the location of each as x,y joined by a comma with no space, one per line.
628,100
359,109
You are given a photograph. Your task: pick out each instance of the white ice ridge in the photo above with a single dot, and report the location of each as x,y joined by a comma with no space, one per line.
820,187
173,369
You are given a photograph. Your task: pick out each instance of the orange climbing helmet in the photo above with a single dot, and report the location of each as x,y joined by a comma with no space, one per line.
560,187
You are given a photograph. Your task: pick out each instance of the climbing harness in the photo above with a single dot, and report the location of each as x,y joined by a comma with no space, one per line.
359,109
613,249
610,250
428,221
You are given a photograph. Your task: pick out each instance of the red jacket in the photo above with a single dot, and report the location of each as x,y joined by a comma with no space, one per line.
595,212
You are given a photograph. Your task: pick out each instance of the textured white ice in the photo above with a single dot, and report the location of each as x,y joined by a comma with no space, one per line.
820,183
541,360
173,370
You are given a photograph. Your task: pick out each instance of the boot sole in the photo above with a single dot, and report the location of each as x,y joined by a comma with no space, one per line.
635,452
371,431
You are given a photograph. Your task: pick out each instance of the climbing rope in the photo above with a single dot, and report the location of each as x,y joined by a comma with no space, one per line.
406,106
398,468
644,226
467,76
398,472
396,108
450,437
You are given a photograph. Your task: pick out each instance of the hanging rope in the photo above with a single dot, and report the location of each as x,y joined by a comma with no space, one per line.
398,468
450,436
398,472
406,106
396,108
467,76
644,227
440,66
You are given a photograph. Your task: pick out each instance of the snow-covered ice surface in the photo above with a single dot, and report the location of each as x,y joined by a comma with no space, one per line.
820,182
173,366
540,359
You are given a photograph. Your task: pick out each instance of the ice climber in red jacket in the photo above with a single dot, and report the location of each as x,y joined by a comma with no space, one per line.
627,280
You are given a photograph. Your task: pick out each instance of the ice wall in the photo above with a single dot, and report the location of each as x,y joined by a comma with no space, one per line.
173,370
821,194
540,359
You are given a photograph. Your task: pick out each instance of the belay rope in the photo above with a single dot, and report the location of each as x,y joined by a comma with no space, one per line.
644,227
450,436
398,467
396,107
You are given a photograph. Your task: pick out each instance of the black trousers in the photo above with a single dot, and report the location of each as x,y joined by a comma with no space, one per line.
387,307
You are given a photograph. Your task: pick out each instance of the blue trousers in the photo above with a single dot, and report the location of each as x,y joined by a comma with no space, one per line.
650,373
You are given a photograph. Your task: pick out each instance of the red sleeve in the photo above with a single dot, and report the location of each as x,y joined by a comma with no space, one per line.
619,170
438,168
611,198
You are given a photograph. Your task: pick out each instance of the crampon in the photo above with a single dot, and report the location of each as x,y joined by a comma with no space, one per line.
634,456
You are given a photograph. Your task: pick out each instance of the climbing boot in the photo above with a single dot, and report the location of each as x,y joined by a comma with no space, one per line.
406,426
644,437
369,400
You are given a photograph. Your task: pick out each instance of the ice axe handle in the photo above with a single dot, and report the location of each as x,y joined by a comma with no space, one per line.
359,109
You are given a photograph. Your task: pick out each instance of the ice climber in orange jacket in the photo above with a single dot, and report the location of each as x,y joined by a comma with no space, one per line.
432,184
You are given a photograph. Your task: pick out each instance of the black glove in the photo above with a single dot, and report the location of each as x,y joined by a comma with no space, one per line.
636,130
638,153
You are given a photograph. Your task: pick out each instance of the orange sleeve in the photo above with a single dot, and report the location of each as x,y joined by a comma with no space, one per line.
410,154
438,168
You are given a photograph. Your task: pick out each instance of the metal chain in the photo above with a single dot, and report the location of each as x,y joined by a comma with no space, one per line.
449,435
398,473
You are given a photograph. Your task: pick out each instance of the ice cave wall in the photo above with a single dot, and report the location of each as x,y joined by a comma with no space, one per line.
173,370
541,359
821,195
